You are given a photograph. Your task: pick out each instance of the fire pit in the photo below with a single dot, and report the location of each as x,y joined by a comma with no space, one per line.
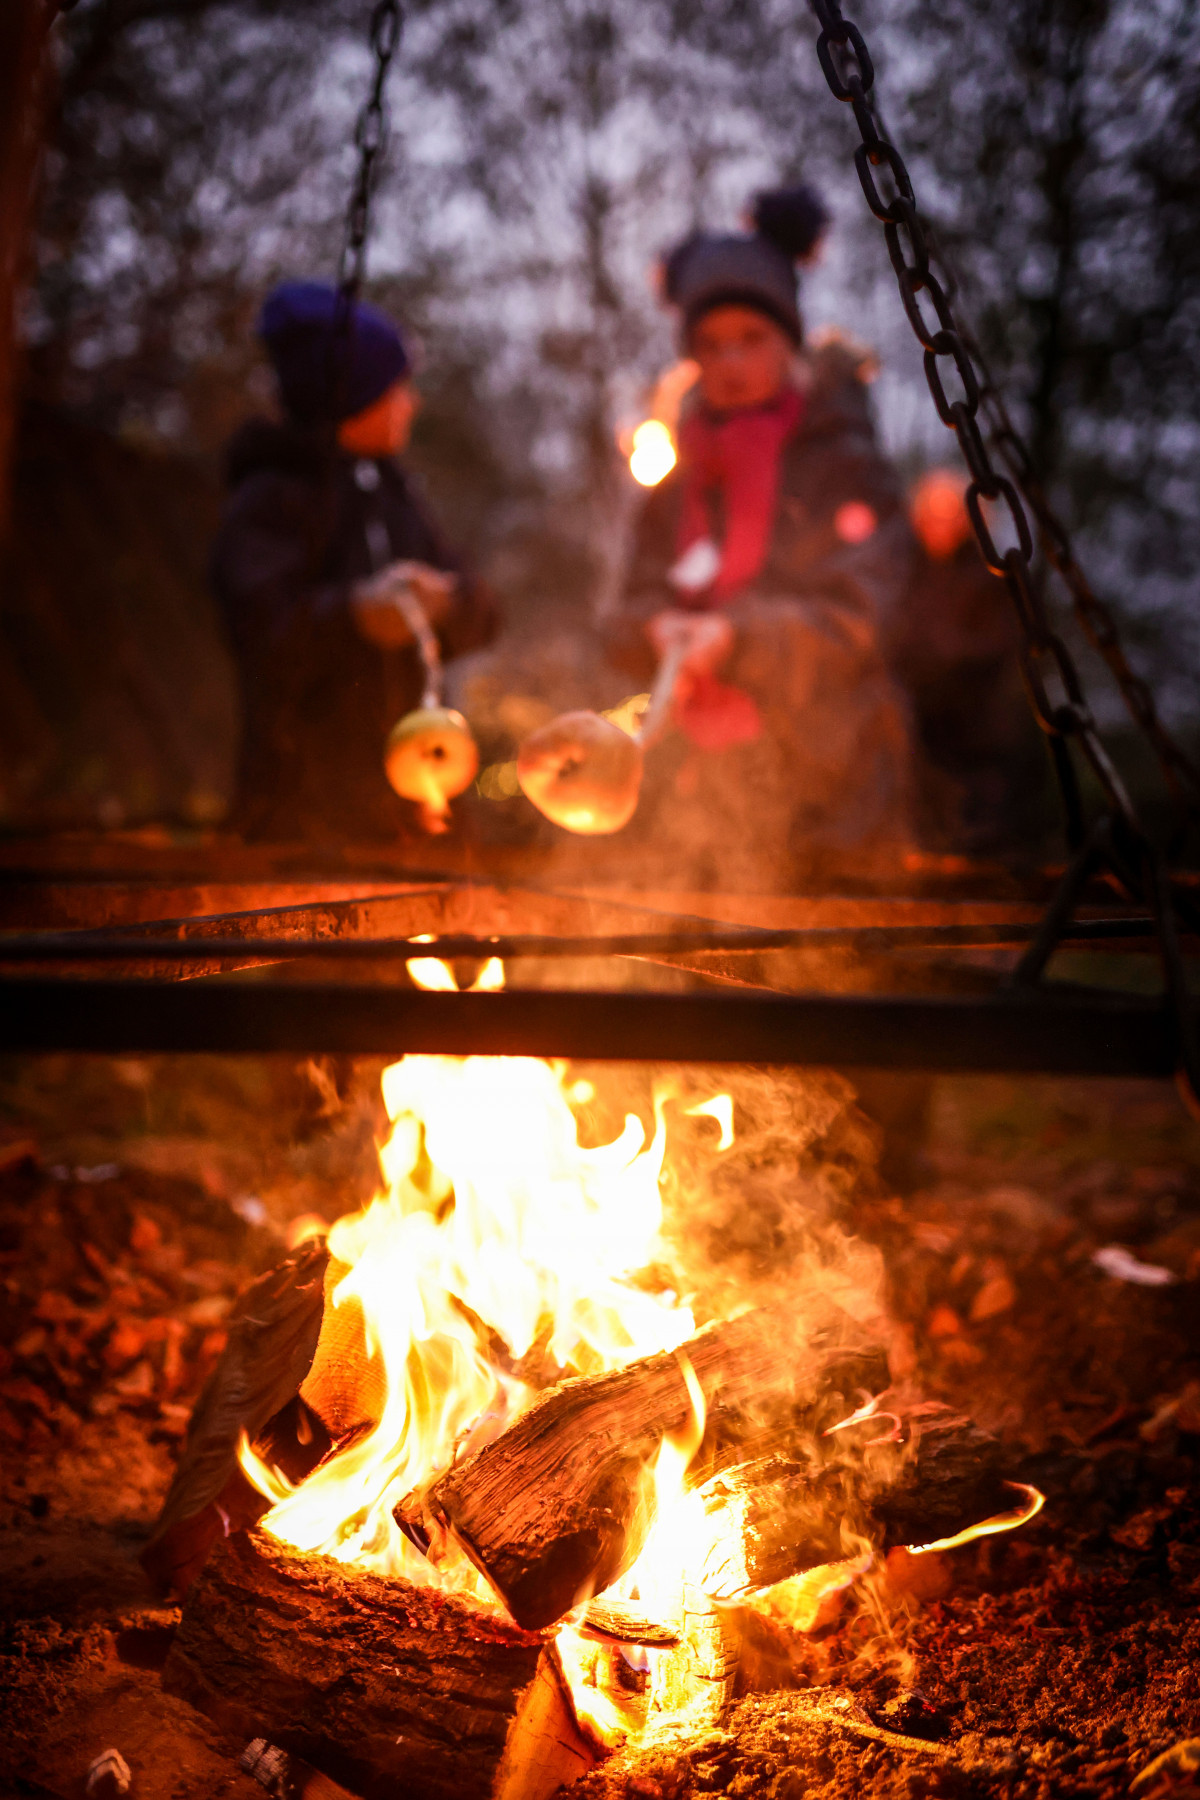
508,1440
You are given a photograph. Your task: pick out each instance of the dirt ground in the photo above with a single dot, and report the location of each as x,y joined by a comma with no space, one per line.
138,1195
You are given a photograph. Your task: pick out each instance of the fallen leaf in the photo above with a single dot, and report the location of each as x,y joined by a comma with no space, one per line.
995,1296
146,1234
944,1322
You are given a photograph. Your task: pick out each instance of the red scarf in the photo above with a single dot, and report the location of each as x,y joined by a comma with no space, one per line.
735,457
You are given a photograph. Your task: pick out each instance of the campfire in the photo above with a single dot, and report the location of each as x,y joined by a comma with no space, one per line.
508,1470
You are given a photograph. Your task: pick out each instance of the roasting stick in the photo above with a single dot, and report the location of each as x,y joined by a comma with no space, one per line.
656,720
430,755
413,614
583,772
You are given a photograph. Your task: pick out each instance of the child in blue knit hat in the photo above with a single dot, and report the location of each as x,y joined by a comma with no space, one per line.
322,526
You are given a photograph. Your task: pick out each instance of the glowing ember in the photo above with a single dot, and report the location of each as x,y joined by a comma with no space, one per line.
652,455
1029,1508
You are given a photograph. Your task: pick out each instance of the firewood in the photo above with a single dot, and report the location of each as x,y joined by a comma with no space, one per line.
692,1674
386,1687
555,1509
283,1774
786,1514
273,1335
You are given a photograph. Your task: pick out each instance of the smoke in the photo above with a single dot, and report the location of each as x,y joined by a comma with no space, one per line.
767,1220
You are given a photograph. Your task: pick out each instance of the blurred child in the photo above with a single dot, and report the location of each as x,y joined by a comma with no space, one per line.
321,525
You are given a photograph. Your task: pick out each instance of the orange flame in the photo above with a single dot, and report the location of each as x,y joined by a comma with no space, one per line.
652,453
491,1214
437,977
674,1548
1007,1521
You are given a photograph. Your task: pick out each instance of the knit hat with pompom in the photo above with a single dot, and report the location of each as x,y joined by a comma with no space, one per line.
749,268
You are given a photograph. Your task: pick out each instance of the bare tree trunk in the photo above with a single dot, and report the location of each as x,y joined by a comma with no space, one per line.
24,89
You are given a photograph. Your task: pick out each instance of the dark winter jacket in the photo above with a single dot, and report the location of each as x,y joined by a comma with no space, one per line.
318,699
953,648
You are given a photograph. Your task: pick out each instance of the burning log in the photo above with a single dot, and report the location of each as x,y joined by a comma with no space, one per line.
273,1337
554,1510
387,1687
297,1376
785,1515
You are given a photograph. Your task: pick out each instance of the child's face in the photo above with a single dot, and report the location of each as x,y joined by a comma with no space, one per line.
744,357
384,427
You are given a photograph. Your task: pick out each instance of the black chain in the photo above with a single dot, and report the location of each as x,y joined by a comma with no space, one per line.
1051,677
1179,771
370,136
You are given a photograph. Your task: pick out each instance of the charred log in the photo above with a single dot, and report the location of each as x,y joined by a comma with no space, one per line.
389,1688
784,1515
555,1509
273,1336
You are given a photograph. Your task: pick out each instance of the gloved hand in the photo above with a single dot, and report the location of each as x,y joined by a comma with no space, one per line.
710,712
704,638
382,603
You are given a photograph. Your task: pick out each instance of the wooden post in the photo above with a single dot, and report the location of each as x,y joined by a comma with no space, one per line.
24,87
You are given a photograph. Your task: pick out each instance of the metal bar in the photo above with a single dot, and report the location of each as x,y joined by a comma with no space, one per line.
1057,921
84,946
1072,1031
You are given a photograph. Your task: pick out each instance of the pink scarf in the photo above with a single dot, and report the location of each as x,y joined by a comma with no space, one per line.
735,457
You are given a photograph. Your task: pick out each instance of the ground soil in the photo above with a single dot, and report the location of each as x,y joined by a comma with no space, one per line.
138,1195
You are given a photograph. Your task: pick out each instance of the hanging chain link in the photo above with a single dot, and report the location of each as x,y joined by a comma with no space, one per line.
1179,771
370,135
1051,677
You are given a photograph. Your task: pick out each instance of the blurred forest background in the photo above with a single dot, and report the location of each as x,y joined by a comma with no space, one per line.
542,153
